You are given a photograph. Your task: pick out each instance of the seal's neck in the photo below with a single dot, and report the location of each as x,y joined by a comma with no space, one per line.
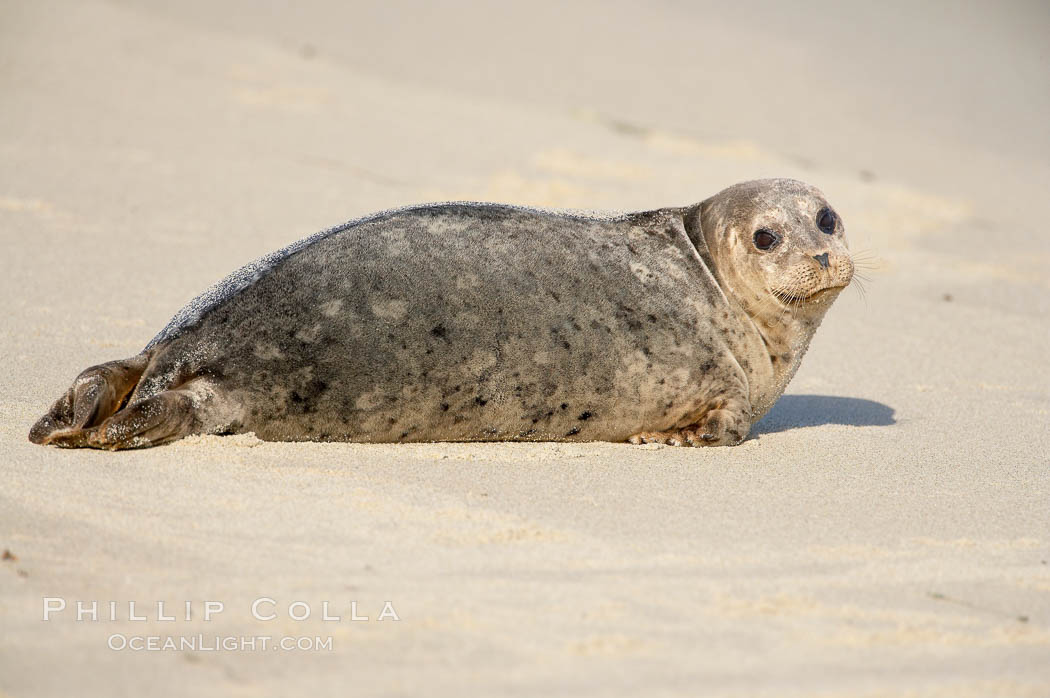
786,335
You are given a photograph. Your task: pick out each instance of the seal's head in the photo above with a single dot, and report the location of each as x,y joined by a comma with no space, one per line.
776,243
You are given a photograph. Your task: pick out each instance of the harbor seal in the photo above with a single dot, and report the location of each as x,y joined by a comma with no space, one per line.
488,322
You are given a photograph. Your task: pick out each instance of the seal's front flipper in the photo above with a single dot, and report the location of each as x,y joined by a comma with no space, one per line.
95,395
724,421
167,416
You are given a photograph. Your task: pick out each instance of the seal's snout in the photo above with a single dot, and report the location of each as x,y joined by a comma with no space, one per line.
822,259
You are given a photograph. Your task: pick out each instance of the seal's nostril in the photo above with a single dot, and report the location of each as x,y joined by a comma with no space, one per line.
822,259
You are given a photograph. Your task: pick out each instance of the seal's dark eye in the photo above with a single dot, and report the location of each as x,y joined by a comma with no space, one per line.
826,221
765,239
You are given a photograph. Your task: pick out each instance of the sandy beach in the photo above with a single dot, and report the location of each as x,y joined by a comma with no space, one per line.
885,531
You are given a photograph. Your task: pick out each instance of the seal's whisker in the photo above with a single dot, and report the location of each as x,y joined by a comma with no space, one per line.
775,293
786,299
863,292
863,251
866,259
783,293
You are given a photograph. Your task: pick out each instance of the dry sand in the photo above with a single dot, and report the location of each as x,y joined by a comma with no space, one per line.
885,532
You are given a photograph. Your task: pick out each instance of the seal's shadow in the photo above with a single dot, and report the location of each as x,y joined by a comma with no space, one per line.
797,411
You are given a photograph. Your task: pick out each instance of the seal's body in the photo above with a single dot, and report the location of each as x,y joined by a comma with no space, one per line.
482,322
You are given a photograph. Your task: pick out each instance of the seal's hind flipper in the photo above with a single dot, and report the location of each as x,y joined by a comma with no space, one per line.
95,395
166,416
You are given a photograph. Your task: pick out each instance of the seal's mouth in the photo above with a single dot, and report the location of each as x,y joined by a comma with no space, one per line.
820,294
